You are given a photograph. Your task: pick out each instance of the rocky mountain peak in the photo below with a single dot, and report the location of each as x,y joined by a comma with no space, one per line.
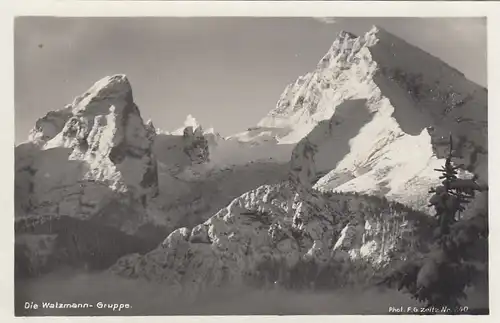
111,91
191,122
111,88
368,96
102,139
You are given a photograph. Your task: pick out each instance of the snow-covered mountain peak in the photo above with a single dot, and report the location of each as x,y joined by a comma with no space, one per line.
191,122
108,104
151,127
111,92
116,87
348,43
343,34
362,67
98,140
371,38
369,102
343,73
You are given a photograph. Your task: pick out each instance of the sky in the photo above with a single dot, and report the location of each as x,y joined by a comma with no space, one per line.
226,72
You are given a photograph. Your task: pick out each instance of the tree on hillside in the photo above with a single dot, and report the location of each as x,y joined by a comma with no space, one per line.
440,276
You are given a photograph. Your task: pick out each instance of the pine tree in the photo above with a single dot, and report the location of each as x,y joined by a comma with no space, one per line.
450,198
440,277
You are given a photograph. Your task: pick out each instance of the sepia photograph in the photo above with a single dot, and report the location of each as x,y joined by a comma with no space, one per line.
250,166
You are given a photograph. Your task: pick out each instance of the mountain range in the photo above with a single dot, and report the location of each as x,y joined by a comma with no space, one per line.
339,170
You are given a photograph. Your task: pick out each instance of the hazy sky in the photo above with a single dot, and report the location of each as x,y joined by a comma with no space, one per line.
227,72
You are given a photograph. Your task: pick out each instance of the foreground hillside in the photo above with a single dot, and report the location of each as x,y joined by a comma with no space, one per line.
270,232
